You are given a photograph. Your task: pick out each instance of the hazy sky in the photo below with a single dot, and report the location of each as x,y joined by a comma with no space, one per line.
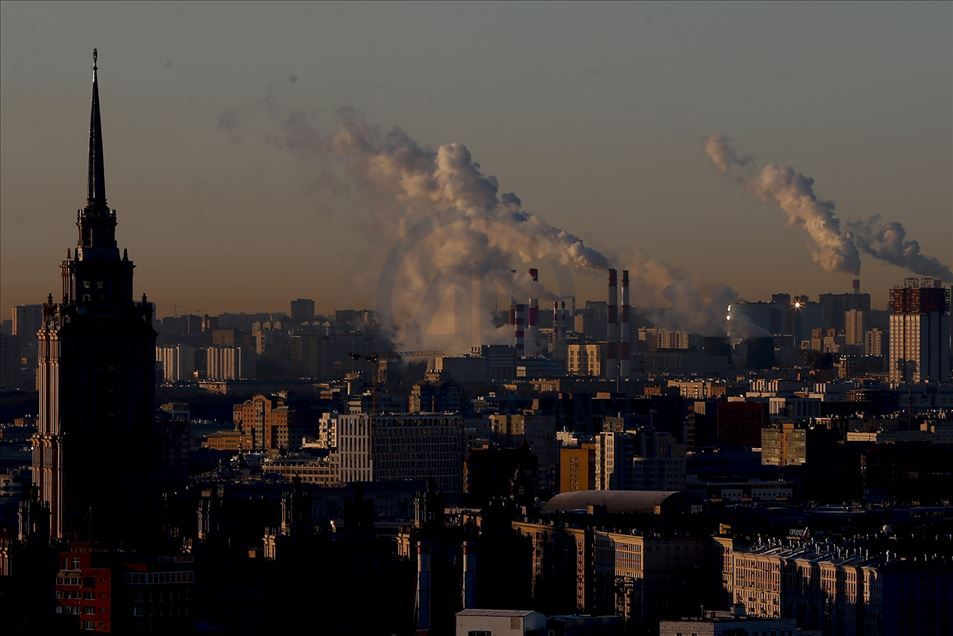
594,114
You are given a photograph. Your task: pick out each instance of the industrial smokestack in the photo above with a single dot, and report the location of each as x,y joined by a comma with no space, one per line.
856,286
612,328
469,576
625,342
564,327
532,331
519,328
423,587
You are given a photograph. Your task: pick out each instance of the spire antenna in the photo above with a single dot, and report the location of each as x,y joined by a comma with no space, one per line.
96,182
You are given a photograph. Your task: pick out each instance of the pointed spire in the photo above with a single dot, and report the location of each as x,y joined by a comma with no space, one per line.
96,184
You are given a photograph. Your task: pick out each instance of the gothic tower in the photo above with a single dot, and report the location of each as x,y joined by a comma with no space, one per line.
93,454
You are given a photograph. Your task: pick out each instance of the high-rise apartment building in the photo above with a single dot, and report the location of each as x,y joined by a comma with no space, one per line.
229,363
919,332
302,310
177,362
875,342
854,327
93,463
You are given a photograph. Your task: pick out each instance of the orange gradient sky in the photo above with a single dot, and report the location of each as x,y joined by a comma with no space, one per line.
594,114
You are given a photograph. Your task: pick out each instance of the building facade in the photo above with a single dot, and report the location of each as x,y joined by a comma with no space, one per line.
177,362
919,332
93,463
390,447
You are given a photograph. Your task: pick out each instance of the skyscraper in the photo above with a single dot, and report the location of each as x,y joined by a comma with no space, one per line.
93,452
919,332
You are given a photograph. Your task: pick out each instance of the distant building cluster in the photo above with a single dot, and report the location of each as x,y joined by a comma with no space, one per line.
591,471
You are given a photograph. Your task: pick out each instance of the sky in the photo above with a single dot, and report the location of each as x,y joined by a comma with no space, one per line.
595,114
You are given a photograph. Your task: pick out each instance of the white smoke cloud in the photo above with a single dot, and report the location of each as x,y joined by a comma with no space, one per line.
448,178
473,236
724,156
674,299
408,186
793,192
887,242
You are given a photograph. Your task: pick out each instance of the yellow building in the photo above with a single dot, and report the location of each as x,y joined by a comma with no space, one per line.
577,468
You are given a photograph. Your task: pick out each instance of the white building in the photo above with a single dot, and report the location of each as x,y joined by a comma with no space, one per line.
492,622
177,362
919,332
229,363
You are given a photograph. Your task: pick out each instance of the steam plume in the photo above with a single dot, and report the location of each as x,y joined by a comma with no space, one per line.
793,192
672,298
724,156
469,236
887,242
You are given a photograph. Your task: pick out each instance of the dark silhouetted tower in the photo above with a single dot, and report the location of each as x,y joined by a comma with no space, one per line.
94,455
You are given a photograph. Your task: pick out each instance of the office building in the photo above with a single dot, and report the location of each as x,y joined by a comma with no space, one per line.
388,447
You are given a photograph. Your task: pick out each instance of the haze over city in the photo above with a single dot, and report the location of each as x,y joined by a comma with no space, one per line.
597,122
433,319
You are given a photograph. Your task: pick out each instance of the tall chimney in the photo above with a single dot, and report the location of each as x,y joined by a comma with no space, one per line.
625,342
469,576
423,587
519,326
532,331
612,328
855,287
564,318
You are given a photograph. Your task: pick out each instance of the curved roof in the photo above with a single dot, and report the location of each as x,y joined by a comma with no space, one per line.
643,501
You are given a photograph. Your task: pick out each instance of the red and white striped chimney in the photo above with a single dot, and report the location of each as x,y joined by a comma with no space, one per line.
564,319
612,328
625,342
519,328
532,330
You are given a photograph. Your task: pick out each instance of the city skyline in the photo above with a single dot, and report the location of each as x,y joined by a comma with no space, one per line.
307,206
581,377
